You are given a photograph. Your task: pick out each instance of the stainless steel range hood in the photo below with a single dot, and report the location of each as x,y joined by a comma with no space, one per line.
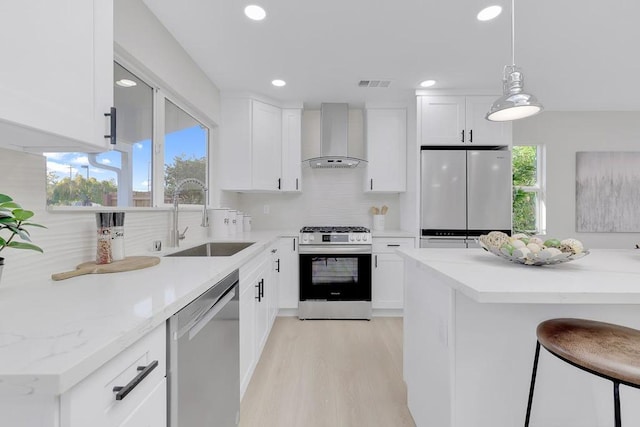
334,146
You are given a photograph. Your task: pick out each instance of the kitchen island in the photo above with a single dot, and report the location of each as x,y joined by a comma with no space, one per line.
469,337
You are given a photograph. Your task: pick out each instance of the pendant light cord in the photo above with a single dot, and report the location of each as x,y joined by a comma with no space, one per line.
513,32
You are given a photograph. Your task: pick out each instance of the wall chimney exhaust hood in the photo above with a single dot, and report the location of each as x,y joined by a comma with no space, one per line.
334,146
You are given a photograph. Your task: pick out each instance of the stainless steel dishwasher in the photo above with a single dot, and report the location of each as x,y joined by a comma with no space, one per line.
203,359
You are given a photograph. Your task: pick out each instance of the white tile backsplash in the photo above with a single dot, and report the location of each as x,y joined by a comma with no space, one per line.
329,197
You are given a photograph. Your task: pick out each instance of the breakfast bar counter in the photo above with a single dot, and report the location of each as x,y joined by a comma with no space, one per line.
469,337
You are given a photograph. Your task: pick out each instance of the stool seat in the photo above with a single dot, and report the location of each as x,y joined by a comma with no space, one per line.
612,351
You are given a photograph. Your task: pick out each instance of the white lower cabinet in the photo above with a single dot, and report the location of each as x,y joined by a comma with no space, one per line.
387,277
258,294
288,286
92,402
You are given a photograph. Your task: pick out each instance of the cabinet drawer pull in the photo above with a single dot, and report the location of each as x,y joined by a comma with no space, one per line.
296,183
279,183
462,140
278,267
376,261
393,246
471,135
121,392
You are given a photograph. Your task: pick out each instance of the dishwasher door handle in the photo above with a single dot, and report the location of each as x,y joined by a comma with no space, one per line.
193,331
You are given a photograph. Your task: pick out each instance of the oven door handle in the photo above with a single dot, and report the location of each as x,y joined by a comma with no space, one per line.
333,250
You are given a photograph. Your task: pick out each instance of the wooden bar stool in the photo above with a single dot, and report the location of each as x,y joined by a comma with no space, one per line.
603,349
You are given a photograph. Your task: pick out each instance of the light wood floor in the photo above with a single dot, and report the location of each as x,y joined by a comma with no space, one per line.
329,373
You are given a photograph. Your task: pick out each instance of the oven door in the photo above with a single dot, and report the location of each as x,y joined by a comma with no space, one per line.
335,272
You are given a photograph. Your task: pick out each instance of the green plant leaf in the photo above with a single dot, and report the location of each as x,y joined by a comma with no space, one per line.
2,242
22,215
32,224
10,205
24,235
4,198
7,220
21,245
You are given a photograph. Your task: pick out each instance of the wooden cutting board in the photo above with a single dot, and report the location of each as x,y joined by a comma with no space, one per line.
127,264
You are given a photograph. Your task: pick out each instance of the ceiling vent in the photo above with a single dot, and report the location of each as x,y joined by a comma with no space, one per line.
374,83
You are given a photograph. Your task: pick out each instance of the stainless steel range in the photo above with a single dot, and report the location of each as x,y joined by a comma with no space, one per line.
335,273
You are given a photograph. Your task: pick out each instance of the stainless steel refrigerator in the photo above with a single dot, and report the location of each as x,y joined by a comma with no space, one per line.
464,193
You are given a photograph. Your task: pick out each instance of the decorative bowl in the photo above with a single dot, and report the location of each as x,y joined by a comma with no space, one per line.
531,258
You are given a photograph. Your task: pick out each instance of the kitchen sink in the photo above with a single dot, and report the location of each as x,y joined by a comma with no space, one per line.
214,249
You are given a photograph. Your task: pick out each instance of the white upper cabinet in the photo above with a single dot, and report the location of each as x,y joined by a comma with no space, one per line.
386,136
260,146
291,149
250,145
57,80
458,120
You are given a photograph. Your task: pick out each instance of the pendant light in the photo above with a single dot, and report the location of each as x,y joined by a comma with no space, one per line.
515,103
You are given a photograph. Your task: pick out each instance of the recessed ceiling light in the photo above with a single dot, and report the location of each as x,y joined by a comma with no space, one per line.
255,12
278,83
488,13
126,83
427,83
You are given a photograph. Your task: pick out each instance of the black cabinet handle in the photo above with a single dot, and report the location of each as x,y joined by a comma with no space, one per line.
259,297
371,183
112,128
294,244
279,182
376,260
261,289
462,135
296,183
121,392
471,135
278,267
392,246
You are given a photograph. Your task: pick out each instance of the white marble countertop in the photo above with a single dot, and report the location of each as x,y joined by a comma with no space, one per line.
54,334
392,233
605,276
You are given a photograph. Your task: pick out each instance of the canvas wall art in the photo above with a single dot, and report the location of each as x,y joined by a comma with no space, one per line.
608,191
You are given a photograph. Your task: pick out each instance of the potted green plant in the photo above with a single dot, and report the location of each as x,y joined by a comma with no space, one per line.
14,219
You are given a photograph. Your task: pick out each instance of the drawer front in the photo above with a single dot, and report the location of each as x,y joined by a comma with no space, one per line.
250,270
93,401
390,244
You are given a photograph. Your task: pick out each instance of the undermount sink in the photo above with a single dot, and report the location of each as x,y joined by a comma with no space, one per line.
214,249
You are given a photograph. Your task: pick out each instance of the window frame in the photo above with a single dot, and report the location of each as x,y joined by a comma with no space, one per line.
539,189
157,144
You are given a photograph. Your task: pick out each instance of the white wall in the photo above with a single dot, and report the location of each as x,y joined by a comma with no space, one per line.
143,40
564,134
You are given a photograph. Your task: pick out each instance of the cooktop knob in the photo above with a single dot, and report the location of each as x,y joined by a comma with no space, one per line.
312,237
352,238
365,238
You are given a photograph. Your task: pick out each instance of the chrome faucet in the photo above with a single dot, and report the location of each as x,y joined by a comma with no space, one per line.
175,233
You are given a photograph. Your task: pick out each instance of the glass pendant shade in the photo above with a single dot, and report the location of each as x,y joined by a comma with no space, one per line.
514,104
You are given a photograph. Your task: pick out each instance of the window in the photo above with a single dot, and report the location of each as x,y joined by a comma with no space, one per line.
123,177
528,189
185,154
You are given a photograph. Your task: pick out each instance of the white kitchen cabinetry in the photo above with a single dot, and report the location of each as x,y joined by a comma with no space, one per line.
386,134
387,278
57,82
250,146
258,305
291,149
288,287
92,402
459,120
274,282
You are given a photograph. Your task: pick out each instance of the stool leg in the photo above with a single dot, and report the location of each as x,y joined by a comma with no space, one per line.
616,403
533,383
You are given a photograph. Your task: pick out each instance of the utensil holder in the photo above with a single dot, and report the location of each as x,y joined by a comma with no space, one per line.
378,222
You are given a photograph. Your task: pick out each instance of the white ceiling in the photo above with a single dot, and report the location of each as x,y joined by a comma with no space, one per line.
576,54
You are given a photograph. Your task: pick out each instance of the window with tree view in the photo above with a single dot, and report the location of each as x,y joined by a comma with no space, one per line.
528,189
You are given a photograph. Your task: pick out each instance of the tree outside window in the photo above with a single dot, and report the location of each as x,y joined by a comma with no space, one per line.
528,194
